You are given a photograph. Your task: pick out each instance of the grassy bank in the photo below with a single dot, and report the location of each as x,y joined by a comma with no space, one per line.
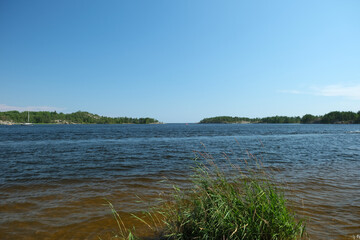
241,205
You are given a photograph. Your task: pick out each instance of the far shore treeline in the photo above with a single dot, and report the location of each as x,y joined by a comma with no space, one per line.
70,118
329,118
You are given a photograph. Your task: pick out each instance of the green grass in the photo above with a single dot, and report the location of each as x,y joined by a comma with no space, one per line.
245,205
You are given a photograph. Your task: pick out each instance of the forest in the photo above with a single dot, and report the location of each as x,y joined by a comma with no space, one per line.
329,118
70,118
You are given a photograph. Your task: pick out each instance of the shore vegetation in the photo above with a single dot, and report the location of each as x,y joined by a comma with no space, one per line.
70,118
334,117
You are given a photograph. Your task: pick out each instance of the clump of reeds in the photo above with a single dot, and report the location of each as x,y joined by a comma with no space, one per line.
246,205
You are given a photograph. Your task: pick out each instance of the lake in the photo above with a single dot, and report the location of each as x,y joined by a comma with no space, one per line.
54,179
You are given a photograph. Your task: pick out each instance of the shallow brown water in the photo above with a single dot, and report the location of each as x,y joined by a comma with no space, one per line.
329,212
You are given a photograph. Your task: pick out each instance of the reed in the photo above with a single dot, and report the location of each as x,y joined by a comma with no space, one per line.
123,233
246,205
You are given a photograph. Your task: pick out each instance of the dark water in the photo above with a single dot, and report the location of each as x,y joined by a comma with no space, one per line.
54,178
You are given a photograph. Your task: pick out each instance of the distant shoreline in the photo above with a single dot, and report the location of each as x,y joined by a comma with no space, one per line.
43,117
335,117
20,124
336,123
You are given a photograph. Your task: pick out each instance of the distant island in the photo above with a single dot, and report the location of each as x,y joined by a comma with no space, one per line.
335,117
15,117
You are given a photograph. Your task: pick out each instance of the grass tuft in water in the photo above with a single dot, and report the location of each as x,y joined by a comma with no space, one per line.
222,207
245,205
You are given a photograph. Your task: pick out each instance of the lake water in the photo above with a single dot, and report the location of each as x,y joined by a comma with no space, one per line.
54,178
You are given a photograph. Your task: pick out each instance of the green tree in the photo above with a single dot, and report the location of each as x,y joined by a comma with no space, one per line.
308,118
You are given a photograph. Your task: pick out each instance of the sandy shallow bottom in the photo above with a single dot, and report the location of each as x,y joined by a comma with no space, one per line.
81,211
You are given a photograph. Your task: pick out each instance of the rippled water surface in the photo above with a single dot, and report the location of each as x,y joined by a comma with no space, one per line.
54,178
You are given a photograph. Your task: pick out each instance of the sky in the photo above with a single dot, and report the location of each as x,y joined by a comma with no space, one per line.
180,61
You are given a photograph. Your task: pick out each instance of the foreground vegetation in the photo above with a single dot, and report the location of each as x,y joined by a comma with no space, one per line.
242,206
332,117
76,117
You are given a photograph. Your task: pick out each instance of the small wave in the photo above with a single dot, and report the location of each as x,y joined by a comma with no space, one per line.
356,131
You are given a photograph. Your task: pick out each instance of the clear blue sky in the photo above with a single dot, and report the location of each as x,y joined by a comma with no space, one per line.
180,61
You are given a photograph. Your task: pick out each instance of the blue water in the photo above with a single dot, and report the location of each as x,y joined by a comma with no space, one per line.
46,167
